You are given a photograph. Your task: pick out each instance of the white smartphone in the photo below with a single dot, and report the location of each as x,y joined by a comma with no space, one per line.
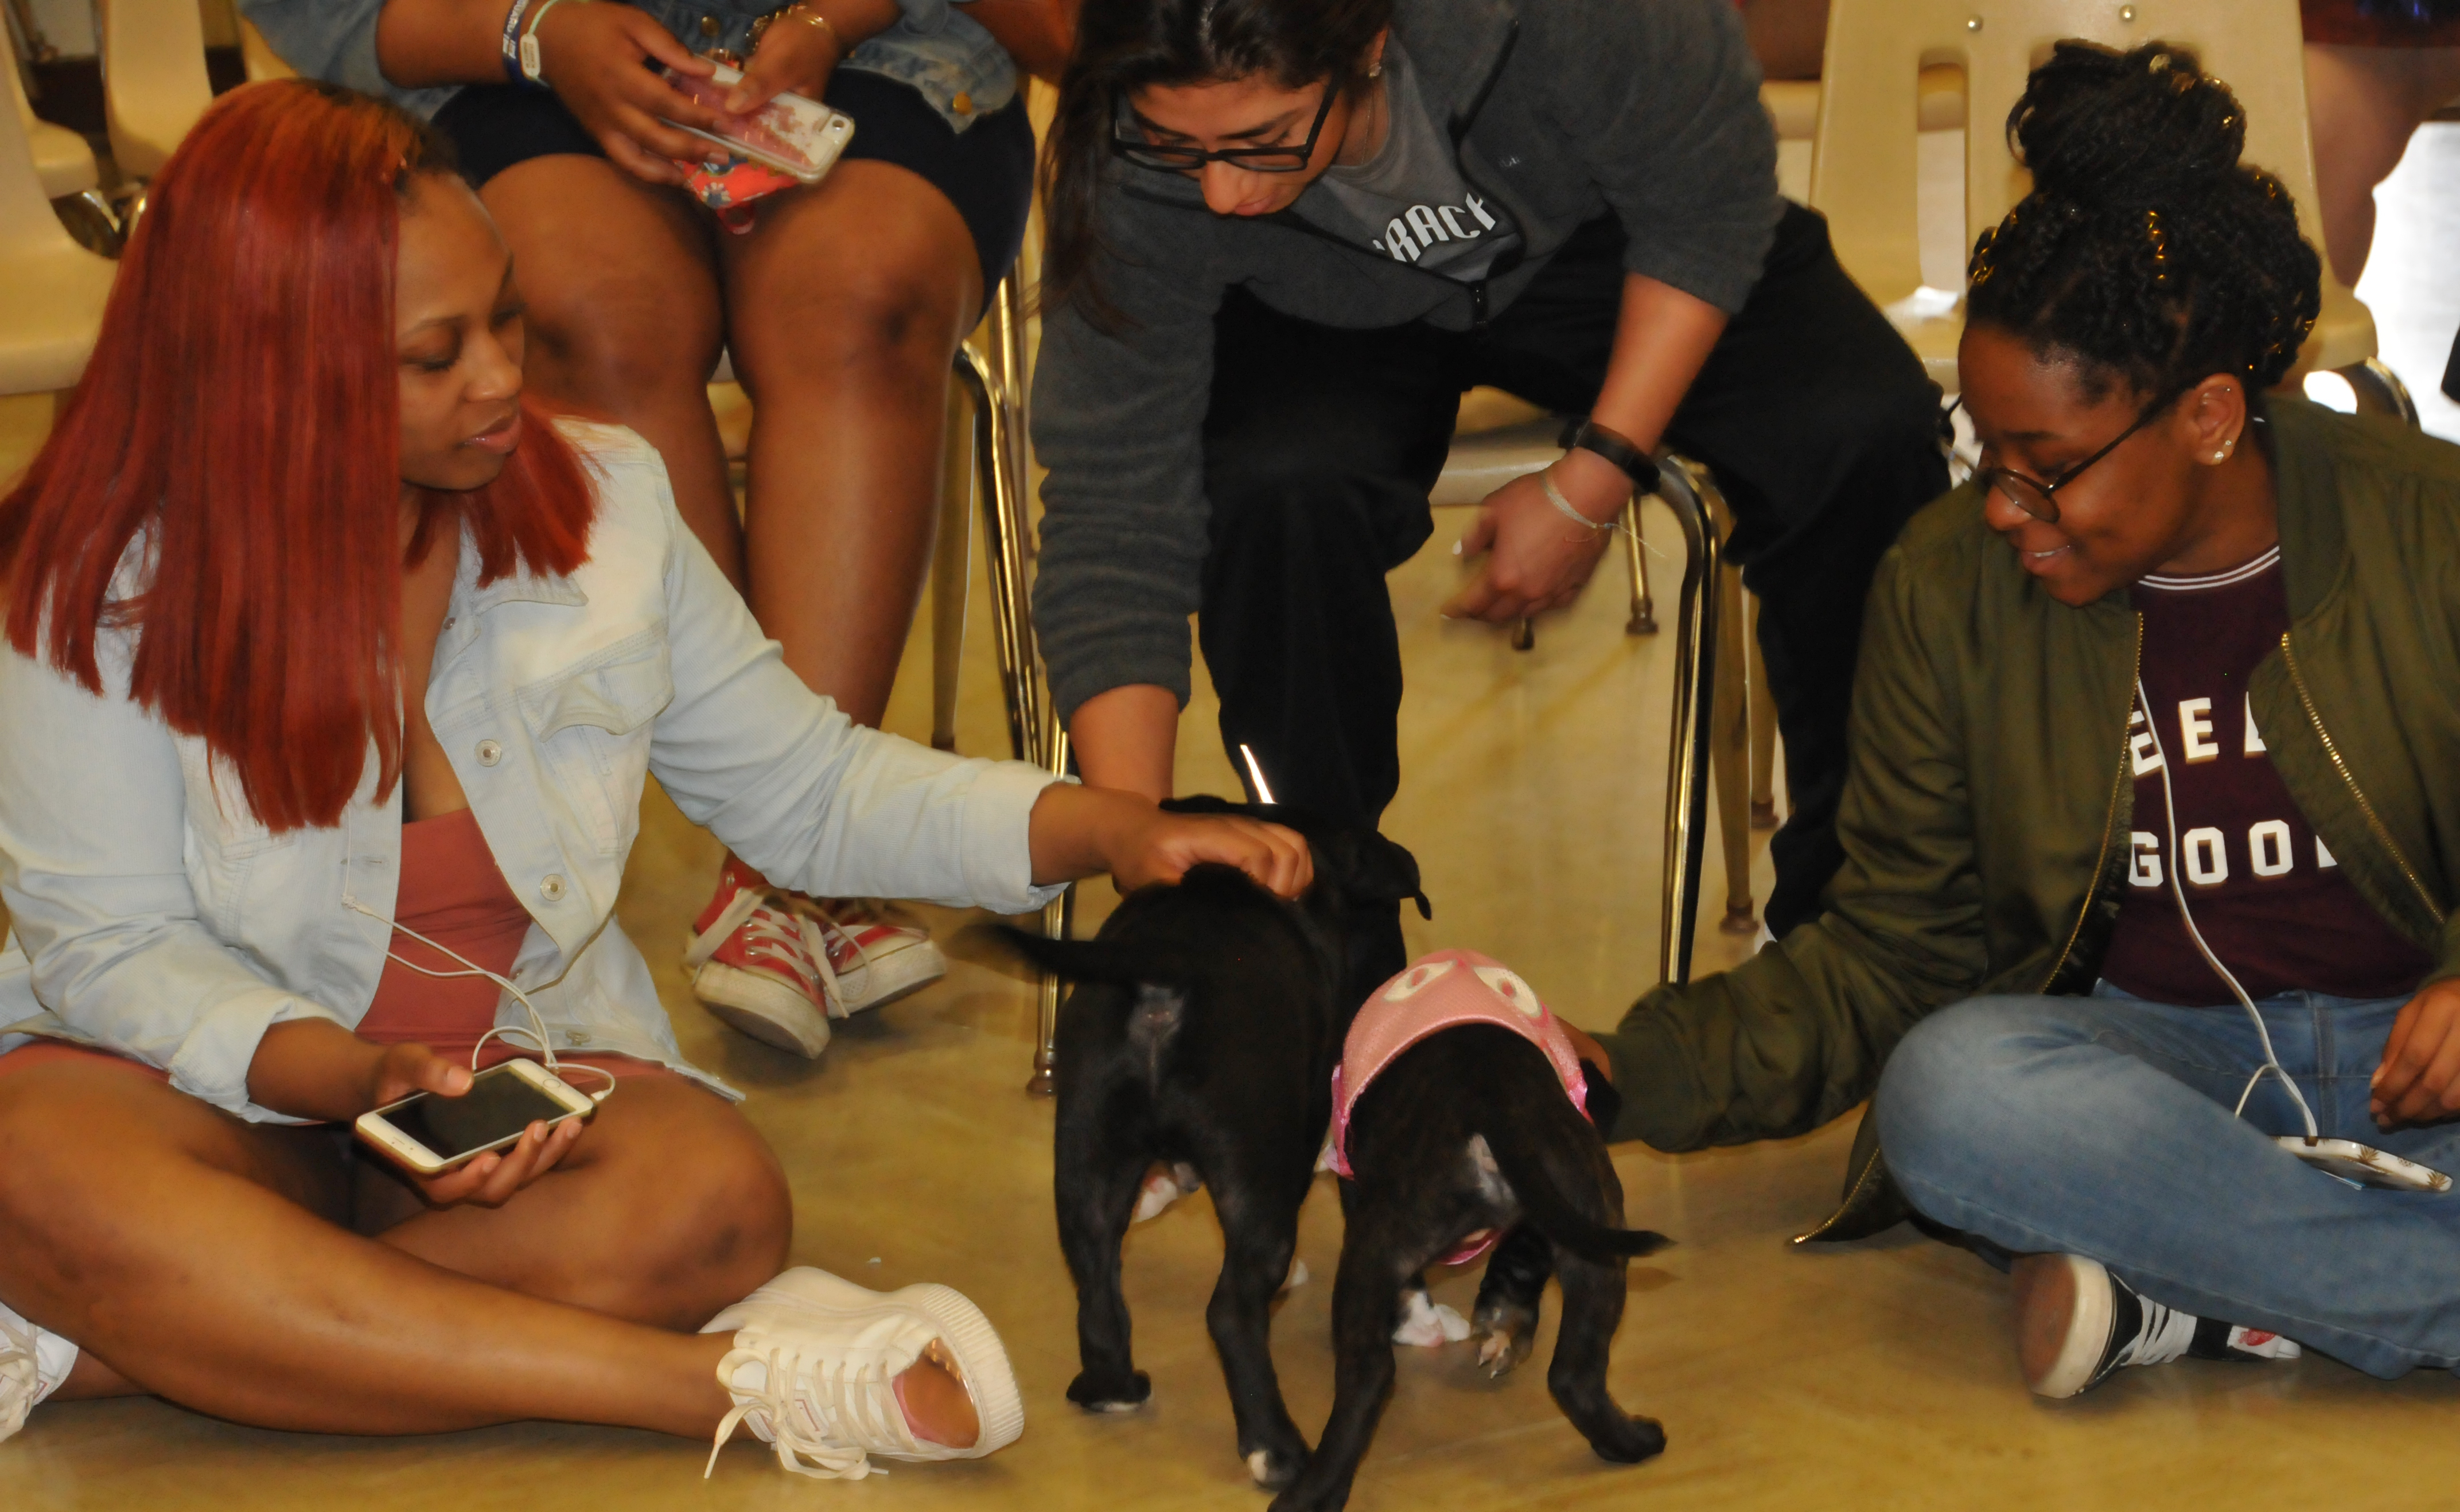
430,1134
795,135
2364,1164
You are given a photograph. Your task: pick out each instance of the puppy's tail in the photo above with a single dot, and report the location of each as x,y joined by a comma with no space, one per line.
1521,1155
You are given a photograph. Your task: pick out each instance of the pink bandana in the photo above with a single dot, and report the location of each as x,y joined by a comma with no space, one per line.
1443,989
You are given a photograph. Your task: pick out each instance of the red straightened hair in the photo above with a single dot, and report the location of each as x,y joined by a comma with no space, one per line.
241,414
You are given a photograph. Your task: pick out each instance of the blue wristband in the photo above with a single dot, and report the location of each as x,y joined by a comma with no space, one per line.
513,41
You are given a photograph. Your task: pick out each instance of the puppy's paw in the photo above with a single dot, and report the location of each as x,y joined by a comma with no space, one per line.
1505,1334
1274,1469
1426,1323
1110,1391
1635,1439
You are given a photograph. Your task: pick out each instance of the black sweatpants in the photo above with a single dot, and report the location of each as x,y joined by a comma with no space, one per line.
1321,445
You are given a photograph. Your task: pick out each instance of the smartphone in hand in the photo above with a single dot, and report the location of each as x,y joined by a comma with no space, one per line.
430,1134
795,136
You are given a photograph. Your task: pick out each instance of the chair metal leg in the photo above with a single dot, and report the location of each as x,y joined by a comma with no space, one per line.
1730,739
1685,488
952,570
1763,729
997,381
1644,606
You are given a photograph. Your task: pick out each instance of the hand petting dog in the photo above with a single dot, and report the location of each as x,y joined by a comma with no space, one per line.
1077,831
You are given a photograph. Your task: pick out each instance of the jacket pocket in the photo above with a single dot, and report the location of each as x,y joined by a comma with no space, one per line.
592,724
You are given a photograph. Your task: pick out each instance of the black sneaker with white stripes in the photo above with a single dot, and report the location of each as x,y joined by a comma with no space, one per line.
2076,1324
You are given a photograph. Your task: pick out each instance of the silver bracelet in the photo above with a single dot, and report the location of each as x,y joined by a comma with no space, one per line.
1554,496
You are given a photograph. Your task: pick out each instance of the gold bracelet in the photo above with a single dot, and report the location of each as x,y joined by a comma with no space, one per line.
804,12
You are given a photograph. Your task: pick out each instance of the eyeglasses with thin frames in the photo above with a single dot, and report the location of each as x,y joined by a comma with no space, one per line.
1276,159
2039,498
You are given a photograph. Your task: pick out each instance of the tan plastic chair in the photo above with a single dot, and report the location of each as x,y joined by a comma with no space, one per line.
62,161
1863,171
262,62
52,290
154,83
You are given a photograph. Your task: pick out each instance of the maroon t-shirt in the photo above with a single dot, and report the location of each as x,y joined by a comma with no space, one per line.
2268,898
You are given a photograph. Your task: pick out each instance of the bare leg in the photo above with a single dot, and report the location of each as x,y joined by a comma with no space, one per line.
280,1330
2364,104
625,318
846,306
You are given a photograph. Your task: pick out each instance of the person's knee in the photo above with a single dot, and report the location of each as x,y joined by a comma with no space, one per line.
721,1229
1946,1093
613,341
886,318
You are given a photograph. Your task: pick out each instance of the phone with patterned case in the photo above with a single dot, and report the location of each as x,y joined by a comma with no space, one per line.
802,138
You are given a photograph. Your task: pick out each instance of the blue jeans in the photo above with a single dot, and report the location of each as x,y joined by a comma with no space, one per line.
2101,1127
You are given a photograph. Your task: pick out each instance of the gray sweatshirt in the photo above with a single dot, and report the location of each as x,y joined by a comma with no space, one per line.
1561,110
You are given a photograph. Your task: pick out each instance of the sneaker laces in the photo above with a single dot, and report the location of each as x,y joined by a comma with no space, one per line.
2164,1335
843,1398
772,930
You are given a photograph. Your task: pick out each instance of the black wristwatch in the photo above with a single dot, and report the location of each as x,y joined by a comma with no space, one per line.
1591,436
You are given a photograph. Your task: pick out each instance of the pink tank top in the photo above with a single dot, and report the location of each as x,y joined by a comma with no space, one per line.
1443,989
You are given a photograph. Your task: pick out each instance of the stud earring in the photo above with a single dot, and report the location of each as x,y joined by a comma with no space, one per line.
1375,69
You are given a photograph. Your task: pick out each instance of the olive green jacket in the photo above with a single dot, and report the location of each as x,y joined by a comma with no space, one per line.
1986,805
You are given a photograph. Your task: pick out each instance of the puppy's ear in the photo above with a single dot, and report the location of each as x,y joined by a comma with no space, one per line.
1368,869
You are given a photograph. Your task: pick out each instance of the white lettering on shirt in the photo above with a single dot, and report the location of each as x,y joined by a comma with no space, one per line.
1398,241
1422,220
1478,208
2147,758
2196,729
2322,856
2267,845
2147,872
2254,746
2207,858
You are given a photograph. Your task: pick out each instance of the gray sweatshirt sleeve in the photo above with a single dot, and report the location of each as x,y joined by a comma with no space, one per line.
1666,118
1118,420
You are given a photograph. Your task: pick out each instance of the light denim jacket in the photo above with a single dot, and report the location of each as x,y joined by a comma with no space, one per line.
154,915
947,56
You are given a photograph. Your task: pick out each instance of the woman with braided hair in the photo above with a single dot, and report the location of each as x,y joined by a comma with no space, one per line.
2154,777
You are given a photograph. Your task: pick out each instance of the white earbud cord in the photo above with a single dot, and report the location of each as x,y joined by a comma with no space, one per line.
538,1024
2186,916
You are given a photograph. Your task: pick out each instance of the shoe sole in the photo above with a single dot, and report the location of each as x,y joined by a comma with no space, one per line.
2063,1319
768,1010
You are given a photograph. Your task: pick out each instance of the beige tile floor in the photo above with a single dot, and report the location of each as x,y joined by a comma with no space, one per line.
1875,1375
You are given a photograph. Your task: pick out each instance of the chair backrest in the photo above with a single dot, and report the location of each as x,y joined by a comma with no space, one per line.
1864,171
27,224
263,62
154,83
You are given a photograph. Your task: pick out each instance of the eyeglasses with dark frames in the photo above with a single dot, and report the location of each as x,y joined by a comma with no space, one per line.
2039,497
1276,159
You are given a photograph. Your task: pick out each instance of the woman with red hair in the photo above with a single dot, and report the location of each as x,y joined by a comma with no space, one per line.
332,676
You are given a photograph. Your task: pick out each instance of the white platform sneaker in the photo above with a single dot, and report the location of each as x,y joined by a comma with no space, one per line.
32,1365
815,1362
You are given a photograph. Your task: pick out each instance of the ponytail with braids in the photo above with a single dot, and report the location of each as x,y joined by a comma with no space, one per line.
2146,249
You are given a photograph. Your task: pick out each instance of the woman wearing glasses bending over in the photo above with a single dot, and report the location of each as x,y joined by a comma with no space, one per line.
1285,235
2153,742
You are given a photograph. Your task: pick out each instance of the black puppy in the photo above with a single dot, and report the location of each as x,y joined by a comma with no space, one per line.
1467,1130
1201,1033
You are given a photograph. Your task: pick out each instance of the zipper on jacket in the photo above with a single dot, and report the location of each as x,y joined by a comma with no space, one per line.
2108,826
2332,749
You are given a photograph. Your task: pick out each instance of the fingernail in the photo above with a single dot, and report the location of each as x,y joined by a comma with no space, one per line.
1456,548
